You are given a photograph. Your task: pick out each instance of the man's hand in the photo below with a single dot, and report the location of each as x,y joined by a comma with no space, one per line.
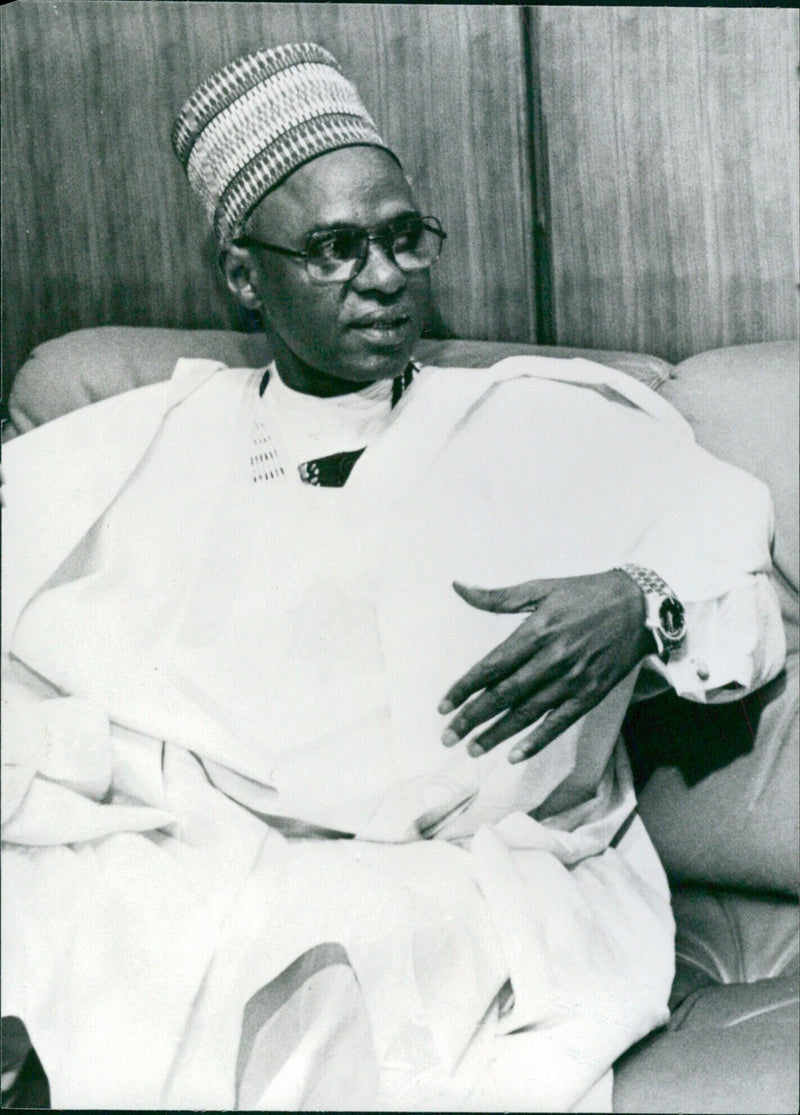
584,634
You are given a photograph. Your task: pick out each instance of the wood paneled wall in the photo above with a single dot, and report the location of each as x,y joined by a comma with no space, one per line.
663,143
670,141
100,226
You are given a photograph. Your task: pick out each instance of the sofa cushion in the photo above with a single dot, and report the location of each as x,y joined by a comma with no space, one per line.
90,364
731,1044
727,1049
723,809
721,805
730,937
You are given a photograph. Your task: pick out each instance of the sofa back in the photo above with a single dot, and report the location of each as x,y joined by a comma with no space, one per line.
91,364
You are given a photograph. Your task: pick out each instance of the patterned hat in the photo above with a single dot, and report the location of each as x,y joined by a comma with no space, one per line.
251,124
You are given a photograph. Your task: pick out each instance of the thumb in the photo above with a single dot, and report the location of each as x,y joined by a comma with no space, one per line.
513,598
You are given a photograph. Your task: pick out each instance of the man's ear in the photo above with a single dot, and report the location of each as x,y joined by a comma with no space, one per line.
241,275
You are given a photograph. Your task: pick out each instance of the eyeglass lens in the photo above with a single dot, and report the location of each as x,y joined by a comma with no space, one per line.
336,256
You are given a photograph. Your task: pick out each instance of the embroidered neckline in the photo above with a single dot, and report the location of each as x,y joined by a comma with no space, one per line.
331,471
400,385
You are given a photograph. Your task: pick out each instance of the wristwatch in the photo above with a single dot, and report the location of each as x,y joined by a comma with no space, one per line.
665,614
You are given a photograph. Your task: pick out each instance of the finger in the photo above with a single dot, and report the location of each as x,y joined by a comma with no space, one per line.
551,727
517,719
521,686
489,704
513,598
494,667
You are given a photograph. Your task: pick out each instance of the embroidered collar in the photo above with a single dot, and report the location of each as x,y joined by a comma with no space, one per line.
333,470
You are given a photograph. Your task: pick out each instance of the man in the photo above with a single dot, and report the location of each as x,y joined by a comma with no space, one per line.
353,839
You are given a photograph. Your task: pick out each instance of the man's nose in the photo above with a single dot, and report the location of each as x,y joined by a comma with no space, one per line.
380,271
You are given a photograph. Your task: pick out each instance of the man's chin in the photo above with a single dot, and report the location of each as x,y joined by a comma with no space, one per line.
344,371
375,370
384,363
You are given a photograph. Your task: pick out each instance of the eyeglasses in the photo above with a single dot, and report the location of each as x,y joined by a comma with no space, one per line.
337,255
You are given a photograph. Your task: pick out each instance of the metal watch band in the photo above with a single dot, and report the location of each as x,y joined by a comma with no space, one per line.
657,594
647,580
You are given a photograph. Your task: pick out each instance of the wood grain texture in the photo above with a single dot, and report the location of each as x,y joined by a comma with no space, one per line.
672,152
100,226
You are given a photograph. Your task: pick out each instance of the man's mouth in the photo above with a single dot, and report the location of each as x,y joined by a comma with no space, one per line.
381,324
387,332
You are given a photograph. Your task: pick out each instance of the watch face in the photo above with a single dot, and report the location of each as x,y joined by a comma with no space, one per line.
672,619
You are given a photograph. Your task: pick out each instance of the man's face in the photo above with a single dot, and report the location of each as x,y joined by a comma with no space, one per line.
358,331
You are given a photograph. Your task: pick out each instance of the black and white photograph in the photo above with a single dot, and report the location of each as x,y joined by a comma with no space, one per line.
400,557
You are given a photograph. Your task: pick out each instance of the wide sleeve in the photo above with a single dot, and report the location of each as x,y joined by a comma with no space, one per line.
59,478
611,473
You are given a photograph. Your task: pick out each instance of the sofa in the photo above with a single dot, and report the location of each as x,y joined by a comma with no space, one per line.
718,786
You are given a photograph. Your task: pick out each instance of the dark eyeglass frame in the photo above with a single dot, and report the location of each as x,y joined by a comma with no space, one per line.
383,234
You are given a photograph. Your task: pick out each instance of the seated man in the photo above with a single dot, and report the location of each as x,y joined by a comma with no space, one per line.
289,822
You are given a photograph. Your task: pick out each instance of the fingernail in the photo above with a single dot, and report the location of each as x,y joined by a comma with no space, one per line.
445,707
475,750
449,737
516,755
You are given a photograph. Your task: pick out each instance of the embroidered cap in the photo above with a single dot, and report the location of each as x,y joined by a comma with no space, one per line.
259,118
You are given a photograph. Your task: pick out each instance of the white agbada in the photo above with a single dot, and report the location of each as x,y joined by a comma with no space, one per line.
183,928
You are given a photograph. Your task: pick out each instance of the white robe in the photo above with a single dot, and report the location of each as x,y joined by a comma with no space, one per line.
292,661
